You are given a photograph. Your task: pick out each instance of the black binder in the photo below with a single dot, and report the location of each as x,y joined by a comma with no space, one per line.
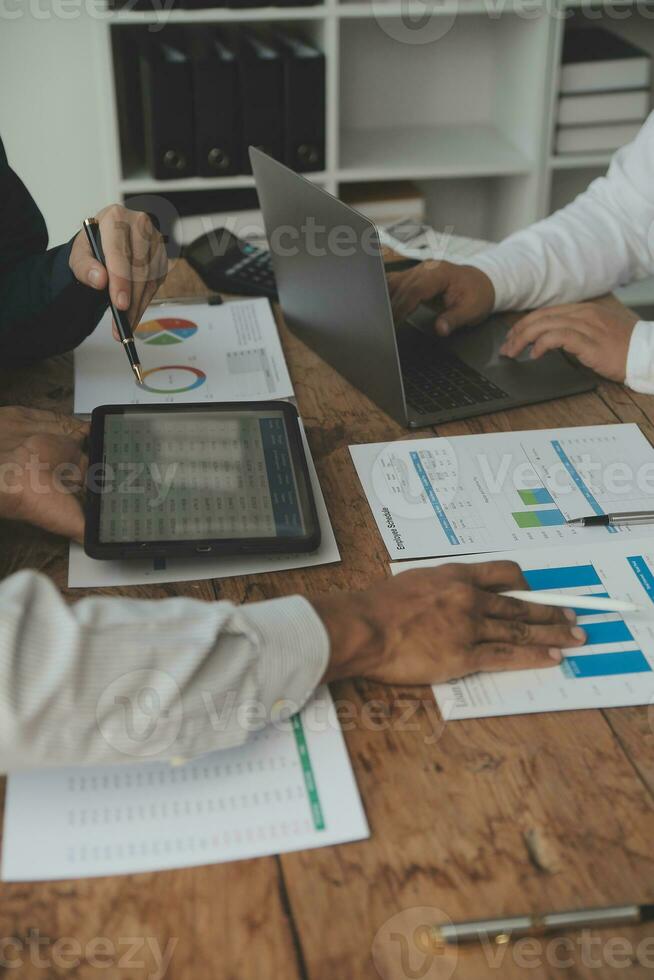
215,96
167,106
262,92
304,103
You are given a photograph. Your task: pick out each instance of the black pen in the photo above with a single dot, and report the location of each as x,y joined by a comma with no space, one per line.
92,229
614,520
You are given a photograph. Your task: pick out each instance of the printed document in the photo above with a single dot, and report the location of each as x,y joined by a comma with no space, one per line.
492,492
189,353
289,788
615,667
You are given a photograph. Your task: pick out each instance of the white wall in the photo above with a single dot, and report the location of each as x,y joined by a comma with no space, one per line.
52,112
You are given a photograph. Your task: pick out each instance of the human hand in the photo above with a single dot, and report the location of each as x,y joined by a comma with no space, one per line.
426,626
597,335
135,256
467,294
42,467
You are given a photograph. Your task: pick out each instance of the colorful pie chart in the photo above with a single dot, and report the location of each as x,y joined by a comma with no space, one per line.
167,330
173,379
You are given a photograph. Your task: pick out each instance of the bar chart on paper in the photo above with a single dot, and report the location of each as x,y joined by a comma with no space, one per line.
503,490
610,648
536,514
615,665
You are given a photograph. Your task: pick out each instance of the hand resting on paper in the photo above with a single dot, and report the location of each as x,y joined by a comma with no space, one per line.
431,625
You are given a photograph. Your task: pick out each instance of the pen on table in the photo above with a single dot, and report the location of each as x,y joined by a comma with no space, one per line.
501,931
92,229
614,520
565,601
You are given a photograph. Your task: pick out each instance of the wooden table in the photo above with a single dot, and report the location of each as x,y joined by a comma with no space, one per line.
479,817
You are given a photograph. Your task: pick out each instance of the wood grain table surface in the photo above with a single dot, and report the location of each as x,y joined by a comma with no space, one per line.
476,818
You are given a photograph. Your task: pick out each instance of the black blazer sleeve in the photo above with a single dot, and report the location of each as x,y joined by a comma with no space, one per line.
43,309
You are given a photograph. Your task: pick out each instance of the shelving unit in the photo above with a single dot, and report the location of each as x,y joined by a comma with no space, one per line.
468,116
568,175
436,151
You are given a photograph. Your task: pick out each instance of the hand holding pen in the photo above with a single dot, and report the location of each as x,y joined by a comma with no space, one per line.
135,260
121,320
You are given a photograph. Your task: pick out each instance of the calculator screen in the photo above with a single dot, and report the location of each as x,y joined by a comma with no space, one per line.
187,476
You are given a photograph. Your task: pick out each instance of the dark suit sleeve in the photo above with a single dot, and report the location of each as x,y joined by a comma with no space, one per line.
43,309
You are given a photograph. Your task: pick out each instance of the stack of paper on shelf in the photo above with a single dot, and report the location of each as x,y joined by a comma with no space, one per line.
387,202
604,91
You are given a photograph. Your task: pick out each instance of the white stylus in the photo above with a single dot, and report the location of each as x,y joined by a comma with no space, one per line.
590,602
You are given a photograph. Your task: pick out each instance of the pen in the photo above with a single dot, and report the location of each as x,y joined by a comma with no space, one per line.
213,299
591,602
614,520
92,229
502,931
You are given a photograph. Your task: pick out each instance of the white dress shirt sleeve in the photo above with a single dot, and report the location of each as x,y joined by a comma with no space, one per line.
114,680
602,240
640,360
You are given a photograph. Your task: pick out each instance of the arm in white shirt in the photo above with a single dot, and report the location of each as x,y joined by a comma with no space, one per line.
602,240
114,680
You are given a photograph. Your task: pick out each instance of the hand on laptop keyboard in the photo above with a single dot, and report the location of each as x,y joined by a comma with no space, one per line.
424,317
467,293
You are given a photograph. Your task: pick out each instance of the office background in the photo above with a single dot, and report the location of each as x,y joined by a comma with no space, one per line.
465,107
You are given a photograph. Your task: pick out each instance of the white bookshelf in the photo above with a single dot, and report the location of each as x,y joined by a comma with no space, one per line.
469,117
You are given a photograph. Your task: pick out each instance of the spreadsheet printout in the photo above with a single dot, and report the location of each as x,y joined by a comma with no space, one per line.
484,493
613,669
290,788
189,353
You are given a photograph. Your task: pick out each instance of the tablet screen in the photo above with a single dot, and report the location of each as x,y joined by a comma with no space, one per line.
179,476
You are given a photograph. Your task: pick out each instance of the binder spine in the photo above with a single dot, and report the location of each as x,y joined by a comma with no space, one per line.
262,92
304,113
215,98
168,115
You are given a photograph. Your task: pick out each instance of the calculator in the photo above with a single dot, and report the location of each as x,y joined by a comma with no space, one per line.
228,264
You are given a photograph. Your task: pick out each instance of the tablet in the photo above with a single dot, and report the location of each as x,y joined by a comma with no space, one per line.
182,481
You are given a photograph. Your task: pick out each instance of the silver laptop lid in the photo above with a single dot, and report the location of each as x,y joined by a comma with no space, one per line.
331,281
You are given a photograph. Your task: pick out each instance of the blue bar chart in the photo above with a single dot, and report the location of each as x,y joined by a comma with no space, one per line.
615,631
615,665
608,664
604,633
568,577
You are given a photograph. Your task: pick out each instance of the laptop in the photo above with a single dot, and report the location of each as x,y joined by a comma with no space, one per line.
332,288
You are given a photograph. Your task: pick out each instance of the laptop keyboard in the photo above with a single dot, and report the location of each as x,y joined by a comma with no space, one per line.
450,383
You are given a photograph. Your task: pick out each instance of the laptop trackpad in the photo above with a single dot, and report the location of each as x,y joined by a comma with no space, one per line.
479,346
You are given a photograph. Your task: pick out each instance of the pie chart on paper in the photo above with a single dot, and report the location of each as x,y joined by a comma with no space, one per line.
173,379
166,331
